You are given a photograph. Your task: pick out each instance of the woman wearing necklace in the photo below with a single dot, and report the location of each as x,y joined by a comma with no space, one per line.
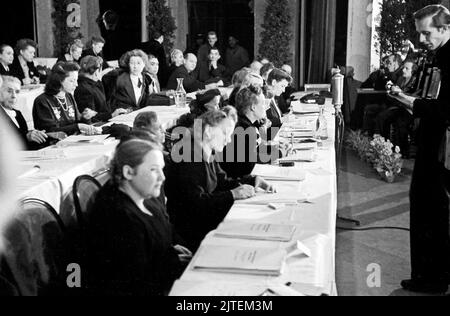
131,249
56,110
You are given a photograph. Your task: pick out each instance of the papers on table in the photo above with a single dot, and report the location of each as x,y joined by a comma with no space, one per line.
255,231
241,260
297,133
47,154
302,108
84,140
278,198
276,173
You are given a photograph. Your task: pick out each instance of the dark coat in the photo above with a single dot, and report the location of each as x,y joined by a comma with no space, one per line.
91,94
22,130
44,115
190,83
199,196
156,49
4,72
130,252
17,71
236,59
208,75
90,52
123,95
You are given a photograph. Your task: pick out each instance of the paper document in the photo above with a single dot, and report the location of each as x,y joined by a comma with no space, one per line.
241,260
84,140
302,108
276,173
301,156
269,232
267,198
47,154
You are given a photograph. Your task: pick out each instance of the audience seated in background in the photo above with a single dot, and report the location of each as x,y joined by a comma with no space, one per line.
236,56
6,60
199,192
277,82
155,48
133,85
203,51
74,52
189,76
97,43
8,99
131,247
212,71
23,66
90,93
56,110
176,60
390,71
405,82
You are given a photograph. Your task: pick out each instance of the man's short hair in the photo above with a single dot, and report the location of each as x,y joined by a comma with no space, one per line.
214,48
278,75
397,58
212,33
24,44
97,39
440,14
145,119
8,79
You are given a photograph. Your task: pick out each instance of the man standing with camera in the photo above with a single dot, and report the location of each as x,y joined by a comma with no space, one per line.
430,187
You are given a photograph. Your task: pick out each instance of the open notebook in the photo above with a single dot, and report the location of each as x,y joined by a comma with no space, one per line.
241,260
256,231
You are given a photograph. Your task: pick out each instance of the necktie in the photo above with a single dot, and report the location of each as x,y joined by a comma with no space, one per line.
140,83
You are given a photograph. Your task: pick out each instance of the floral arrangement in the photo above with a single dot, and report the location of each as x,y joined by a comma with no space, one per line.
381,153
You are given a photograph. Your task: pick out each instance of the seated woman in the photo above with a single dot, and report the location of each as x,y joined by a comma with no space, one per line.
132,86
277,81
176,60
130,249
74,52
90,93
247,147
6,60
148,121
199,192
23,66
56,110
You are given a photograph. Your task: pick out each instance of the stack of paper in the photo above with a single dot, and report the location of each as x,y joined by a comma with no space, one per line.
241,260
47,154
275,173
277,198
84,140
268,232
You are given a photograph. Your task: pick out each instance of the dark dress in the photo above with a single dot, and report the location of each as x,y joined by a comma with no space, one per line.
199,196
430,245
91,94
130,252
4,72
49,116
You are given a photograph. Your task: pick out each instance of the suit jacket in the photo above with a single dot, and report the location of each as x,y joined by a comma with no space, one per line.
190,83
22,130
156,49
91,94
274,116
124,97
17,71
236,59
208,75
203,52
4,72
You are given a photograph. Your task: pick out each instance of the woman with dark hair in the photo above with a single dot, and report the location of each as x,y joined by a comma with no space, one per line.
56,110
6,59
130,248
90,93
23,66
74,52
199,192
133,86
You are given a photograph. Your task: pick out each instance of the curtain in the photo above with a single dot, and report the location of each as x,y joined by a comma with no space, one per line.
321,38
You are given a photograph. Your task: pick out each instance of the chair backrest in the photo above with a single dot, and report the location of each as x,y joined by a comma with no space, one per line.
317,87
35,250
85,189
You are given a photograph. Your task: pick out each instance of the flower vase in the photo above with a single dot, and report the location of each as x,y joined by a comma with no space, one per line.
389,177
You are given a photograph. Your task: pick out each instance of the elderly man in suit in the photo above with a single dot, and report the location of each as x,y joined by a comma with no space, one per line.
8,100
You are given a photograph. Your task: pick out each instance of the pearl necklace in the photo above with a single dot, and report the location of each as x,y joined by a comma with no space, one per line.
63,104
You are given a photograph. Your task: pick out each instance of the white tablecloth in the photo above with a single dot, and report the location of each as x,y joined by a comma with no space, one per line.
315,221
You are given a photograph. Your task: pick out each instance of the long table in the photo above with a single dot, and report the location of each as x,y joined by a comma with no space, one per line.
315,222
